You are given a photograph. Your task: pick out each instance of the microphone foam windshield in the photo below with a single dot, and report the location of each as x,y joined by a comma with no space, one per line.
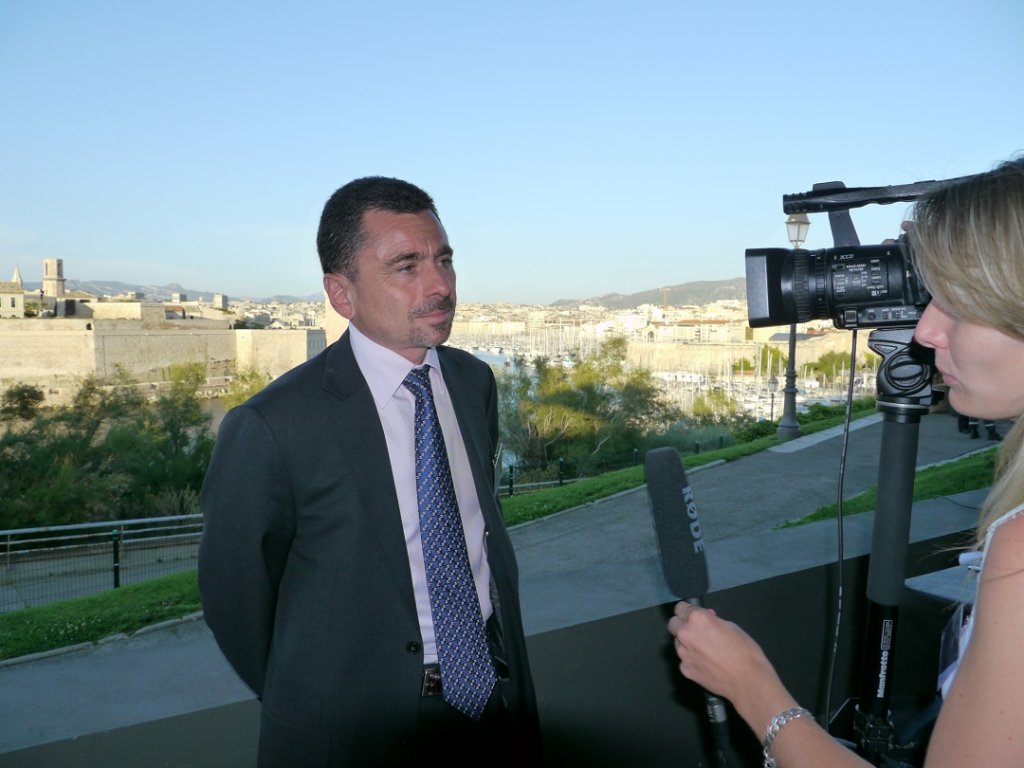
680,539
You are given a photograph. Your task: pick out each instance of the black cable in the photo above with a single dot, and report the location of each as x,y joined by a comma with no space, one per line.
839,532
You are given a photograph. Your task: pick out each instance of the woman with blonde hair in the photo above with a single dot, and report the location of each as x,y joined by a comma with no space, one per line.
967,242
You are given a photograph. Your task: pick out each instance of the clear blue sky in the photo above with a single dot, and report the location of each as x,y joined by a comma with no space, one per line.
574,148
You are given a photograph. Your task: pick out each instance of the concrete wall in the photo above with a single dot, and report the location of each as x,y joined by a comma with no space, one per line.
12,302
47,353
334,324
194,310
152,314
115,310
609,691
500,329
275,352
716,358
147,353
673,356
56,354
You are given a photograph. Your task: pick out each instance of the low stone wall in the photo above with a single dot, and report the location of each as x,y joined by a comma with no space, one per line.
146,354
274,352
43,354
57,354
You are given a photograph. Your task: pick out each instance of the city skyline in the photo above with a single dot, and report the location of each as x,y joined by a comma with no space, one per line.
103,289
573,149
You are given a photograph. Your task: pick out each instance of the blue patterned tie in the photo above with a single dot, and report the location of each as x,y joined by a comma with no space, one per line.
467,671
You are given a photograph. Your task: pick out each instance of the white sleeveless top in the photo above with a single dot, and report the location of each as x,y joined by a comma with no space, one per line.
947,675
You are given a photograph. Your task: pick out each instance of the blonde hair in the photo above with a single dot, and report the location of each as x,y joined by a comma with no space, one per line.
968,247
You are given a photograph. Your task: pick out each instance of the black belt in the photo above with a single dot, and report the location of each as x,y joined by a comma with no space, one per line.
431,685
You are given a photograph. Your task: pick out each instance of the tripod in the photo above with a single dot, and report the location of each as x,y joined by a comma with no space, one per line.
904,396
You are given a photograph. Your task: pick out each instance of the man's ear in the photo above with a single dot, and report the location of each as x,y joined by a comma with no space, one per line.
339,293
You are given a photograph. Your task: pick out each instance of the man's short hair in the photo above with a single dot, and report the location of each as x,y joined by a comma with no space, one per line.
341,232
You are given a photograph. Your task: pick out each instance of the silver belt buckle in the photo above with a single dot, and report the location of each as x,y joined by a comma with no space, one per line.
431,680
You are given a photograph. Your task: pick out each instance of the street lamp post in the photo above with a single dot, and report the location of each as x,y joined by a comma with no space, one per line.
789,428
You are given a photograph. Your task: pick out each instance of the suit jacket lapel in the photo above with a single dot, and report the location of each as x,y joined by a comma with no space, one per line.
365,452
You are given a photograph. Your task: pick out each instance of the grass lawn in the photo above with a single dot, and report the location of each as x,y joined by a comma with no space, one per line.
547,501
967,474
92,618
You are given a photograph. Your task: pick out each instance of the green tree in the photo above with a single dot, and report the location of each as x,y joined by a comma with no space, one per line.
530,426
184,439
178,409
20,402
769,361
715,407
110,454
58,472
98,404
832,365
592,413
246,383
243,323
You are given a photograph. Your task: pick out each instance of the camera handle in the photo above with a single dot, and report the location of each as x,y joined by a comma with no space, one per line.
904,395
839,219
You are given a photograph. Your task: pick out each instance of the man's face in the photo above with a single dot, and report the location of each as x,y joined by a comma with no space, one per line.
403,294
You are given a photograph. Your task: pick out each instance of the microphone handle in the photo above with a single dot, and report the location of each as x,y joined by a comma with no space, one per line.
724,757
718,719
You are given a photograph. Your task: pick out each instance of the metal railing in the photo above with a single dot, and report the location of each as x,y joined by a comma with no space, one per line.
509,483
43,565
61,562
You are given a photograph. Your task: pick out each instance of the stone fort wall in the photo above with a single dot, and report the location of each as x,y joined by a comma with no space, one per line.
57,354
718,358
275,352
50,355
146,354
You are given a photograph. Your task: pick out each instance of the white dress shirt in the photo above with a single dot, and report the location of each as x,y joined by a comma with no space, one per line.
384,371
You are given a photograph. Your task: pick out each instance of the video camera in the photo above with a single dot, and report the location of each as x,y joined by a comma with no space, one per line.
864,286
854,285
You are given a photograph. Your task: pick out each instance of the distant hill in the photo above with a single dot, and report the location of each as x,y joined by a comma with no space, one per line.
162,292
698,292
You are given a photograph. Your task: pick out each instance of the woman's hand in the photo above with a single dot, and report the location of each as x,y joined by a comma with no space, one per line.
714,653
722,658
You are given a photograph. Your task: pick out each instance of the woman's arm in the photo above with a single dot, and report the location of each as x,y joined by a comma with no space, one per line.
722,658
982,719
980,723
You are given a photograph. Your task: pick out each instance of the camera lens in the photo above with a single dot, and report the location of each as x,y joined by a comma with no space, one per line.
863,286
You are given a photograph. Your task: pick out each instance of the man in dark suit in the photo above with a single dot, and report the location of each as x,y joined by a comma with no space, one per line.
317,568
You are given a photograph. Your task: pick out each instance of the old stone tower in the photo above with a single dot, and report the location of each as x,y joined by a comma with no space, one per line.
53,278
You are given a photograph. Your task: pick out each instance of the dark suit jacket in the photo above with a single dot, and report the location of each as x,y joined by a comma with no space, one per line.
304,572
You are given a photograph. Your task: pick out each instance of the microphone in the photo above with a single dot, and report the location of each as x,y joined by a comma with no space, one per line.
683,561
676,525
